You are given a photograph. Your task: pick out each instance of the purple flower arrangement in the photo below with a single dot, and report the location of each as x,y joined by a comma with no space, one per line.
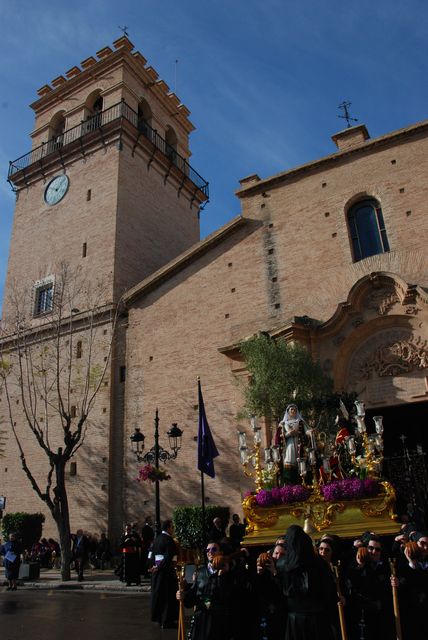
349,489
287,494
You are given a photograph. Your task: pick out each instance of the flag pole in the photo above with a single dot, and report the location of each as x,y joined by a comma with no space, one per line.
203,528
204,532
207,451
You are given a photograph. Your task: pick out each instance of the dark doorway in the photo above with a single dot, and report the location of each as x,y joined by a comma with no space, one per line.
405,457
410,420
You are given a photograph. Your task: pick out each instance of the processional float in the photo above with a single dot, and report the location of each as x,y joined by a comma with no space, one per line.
341,488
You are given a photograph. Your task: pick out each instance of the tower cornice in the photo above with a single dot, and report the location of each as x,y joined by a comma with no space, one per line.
108,60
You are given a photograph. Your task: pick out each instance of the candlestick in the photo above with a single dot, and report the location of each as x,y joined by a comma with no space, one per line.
242,439
351,445
253,422
360,408
378,420
361,425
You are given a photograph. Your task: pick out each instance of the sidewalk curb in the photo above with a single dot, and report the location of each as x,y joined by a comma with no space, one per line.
65,586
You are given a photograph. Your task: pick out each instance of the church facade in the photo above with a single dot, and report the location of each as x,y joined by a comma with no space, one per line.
331,254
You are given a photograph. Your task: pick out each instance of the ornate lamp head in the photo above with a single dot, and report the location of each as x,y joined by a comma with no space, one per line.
174,437
137,441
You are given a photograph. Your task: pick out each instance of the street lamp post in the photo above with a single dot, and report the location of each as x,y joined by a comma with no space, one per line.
156,454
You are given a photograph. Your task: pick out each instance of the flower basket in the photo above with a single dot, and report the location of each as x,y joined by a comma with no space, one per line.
149,473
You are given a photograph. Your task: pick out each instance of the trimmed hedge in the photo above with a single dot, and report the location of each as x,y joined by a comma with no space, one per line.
28,527
188,523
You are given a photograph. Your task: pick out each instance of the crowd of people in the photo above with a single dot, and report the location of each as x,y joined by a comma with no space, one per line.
46,552
297,589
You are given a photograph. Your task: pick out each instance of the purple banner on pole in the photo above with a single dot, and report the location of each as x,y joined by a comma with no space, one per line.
207,450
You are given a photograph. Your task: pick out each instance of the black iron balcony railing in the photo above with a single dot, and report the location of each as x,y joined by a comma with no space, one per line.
98,121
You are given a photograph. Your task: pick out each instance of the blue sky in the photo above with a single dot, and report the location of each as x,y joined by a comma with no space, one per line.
262,79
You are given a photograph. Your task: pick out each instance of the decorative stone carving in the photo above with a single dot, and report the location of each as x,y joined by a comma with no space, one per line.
388,353
383,300
412,310
396,358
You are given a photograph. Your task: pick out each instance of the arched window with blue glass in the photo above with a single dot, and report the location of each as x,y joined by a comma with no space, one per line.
367,229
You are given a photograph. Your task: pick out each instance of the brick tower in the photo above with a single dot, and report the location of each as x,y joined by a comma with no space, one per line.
108,190
107,185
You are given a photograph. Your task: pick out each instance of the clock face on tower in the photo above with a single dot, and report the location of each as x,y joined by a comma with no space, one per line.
56,189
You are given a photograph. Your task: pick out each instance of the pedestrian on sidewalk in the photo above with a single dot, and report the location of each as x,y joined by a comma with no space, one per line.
11,550
80,553
102,553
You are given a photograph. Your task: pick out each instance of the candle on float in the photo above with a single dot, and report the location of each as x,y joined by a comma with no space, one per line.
242,439
243,451
276,456
379,442
351,445
257,436
360,408
268,455
378,420
361,425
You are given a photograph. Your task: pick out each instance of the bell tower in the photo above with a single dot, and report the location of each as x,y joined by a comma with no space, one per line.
108,192
107,186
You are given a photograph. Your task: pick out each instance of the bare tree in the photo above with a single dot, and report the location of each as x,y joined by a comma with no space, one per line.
52,367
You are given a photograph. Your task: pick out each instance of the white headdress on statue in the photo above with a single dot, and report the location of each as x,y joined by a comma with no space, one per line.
288,419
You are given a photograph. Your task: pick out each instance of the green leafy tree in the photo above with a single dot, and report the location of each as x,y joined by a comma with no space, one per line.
284,372
27,526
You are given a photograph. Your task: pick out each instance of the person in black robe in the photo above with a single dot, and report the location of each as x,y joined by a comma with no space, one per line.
130,550
213,595
102,553
269,599
370,597
412,583
217,531
309,588
162,557
236,531
147,537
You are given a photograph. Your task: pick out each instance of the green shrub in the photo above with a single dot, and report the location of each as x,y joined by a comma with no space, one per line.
188,524
28,527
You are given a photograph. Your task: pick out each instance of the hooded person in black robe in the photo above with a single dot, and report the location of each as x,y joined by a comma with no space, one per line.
309,588
213,595
163,556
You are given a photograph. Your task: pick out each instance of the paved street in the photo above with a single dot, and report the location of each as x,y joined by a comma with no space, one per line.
53,615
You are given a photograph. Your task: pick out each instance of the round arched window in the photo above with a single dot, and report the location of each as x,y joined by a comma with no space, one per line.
367,229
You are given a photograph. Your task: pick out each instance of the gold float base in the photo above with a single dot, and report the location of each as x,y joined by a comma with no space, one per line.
347,519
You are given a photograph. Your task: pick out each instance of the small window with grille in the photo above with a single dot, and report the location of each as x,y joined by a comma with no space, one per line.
43,297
